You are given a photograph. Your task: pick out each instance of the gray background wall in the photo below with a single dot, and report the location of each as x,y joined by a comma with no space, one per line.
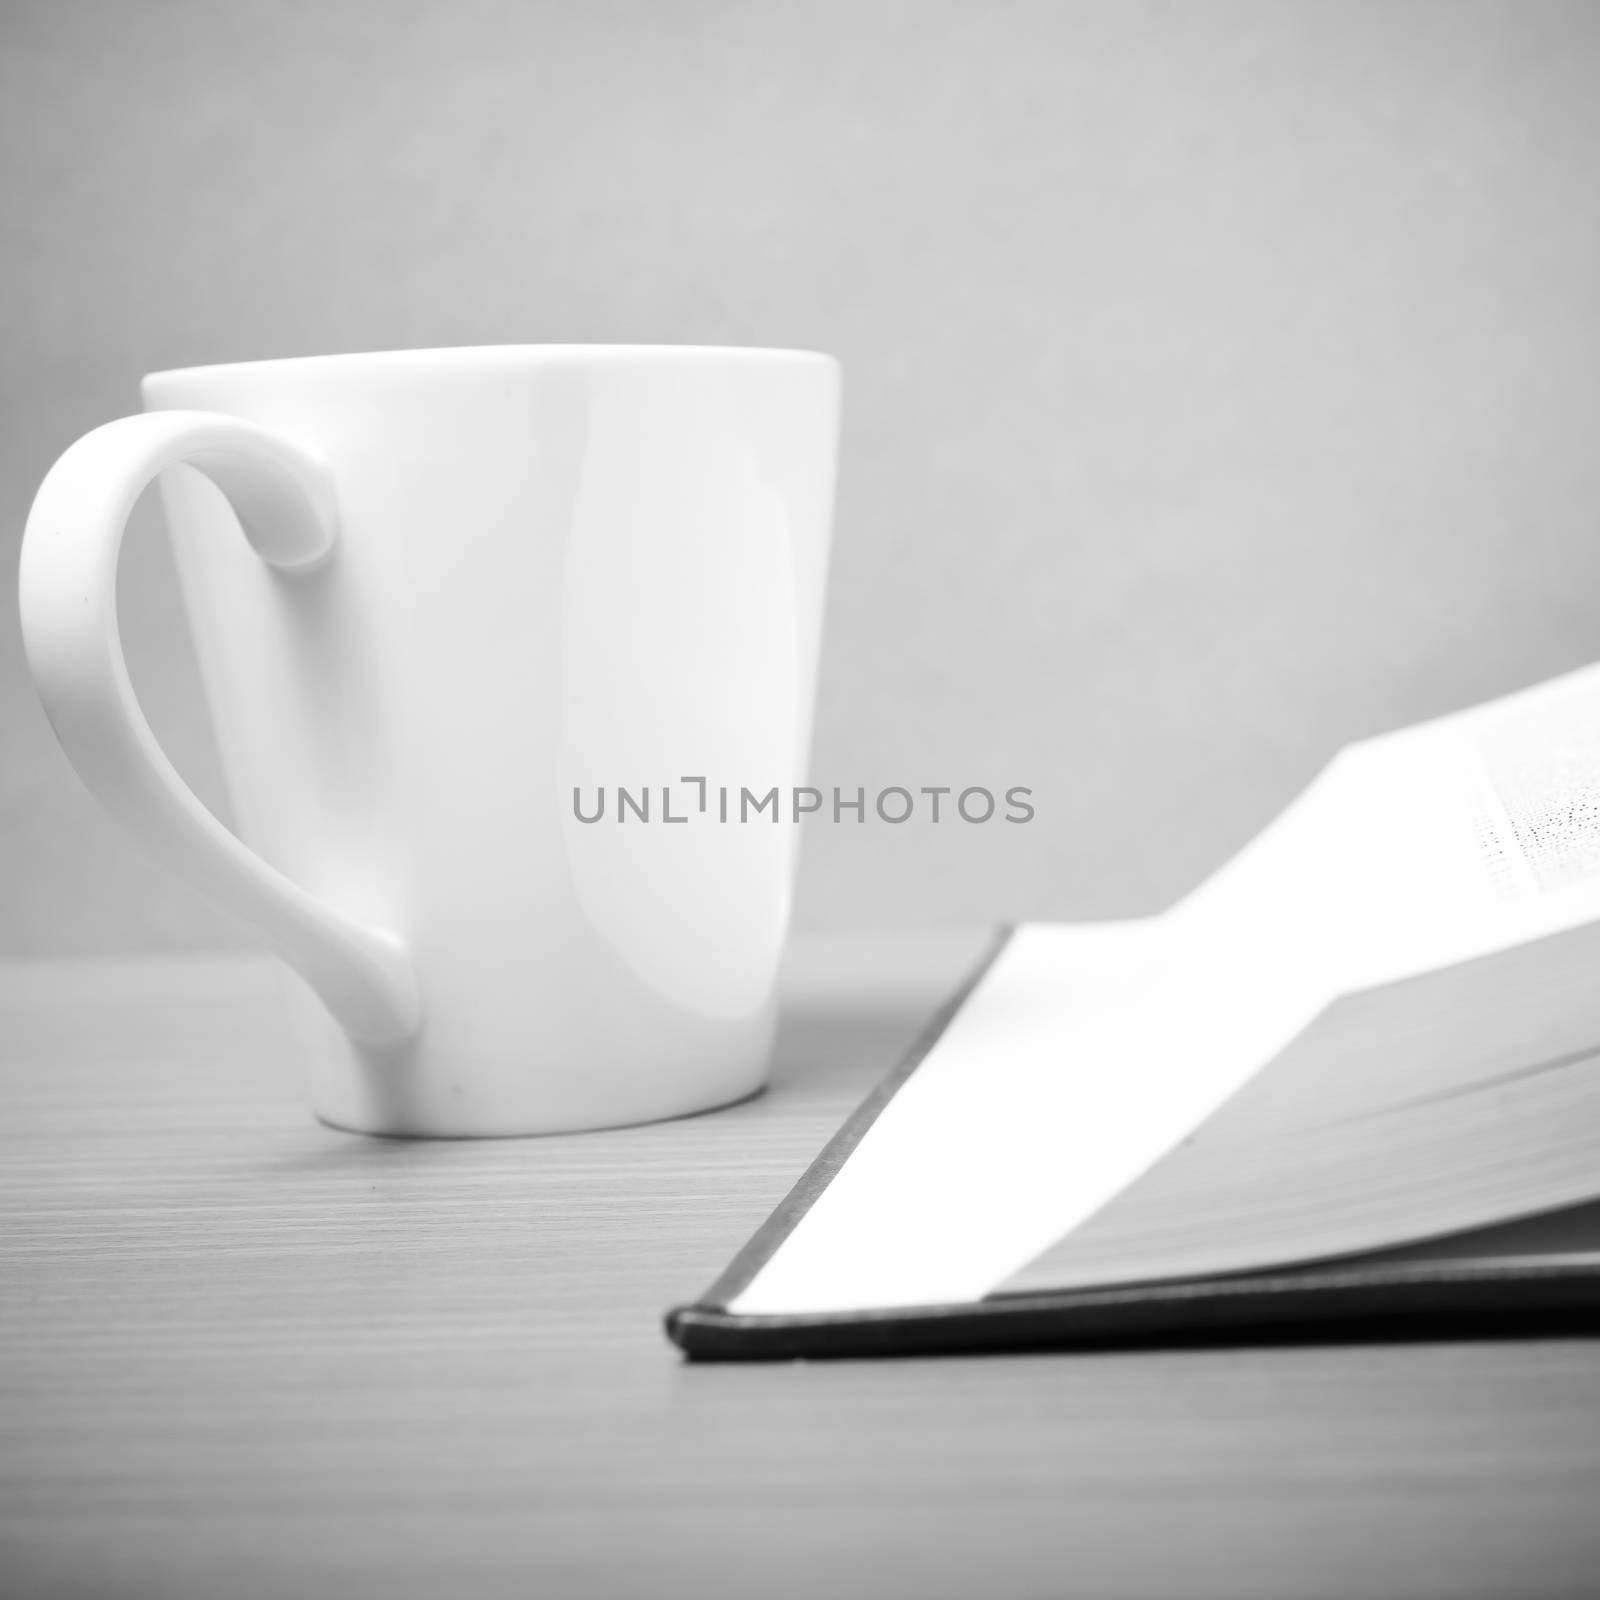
1222,380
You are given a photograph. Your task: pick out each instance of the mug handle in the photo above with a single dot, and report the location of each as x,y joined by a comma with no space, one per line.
283,495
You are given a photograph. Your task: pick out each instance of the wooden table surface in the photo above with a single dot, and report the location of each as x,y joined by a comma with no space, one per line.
242,1354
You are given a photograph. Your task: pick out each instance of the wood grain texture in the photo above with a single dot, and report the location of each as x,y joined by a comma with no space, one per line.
244,1355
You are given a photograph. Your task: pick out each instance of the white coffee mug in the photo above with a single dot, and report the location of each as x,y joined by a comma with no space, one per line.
471,586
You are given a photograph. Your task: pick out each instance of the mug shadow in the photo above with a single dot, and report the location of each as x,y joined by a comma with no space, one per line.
822,1050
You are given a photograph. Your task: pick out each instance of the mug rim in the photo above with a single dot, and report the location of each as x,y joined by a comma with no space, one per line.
501,354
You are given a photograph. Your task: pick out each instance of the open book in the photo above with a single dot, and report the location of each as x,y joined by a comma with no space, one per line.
1355,1075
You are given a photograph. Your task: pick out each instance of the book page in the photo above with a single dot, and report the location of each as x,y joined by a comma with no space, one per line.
1446,1101
1089,1053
